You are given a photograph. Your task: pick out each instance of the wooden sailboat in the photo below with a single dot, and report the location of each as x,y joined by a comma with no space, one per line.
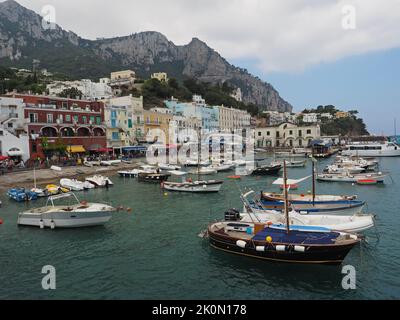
284,243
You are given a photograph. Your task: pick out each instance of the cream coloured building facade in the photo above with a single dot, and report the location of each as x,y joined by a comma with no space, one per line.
160,76
230,118
286,135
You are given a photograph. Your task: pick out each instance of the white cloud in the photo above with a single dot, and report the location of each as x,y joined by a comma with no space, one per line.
280,35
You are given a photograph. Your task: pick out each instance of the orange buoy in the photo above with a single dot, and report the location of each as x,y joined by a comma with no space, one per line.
1,221
128,210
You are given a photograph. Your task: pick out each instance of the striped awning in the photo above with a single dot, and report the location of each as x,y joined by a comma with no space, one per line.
75,149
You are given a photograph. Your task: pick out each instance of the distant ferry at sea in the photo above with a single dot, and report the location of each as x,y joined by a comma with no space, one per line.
372,149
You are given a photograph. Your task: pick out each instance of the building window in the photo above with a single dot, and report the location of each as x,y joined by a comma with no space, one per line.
68,118
61,118
76,119
309,131
138,120
33,117
65,105
115,136
34,148
300,133
129,123
98,120
50,118
10,124
259,133
91,119
300,143
84,119
268,133
291,132
277,134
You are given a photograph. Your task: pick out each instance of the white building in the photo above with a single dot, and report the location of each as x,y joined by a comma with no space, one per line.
14,140
231,119
310,117
327,115
286,135
237,95
90,90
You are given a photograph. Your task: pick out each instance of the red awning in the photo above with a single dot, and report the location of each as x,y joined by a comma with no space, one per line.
2,158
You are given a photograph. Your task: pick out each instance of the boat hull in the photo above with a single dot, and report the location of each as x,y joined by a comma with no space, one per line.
351,179
65,219
327,254
194,188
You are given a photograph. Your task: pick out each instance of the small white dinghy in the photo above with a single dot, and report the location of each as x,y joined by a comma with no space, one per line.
191,186
76,185
99,181
80,214
355,223
168,167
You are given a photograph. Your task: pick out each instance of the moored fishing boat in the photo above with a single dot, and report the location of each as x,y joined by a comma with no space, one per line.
75,185
129,173
80,214
153,177
188,185
267,170
284,243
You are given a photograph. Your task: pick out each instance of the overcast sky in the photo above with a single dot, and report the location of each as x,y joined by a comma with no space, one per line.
270,37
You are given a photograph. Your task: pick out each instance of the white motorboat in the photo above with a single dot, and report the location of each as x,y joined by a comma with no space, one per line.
99,181
168,167
188,185
372,149
352,223
354,178
110,163
291,163
75,185
130,173
91,163
80,214
334,168
204,171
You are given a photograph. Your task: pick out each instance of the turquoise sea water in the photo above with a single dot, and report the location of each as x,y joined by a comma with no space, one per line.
154,252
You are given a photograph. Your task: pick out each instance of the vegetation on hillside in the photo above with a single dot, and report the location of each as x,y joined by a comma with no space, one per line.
10,80
155,92
350,126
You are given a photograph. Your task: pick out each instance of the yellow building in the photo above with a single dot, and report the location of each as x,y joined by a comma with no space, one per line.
156,124
119,127
342,115
161,76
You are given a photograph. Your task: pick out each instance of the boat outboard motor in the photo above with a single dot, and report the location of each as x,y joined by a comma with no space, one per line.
232,215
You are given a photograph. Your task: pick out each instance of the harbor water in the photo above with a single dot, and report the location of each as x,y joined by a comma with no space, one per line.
154,252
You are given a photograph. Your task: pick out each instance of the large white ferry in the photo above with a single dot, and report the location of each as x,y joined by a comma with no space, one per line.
372,149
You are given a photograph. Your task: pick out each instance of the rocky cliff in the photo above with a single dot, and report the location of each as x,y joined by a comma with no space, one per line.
23,39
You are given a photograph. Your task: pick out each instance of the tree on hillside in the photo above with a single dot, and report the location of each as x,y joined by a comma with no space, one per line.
71,93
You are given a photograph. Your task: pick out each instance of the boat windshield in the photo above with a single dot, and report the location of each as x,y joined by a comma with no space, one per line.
61,196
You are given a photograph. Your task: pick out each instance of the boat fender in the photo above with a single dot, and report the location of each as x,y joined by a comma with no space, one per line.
1,221
268,239
299,248
269,223
280,248
241,244
52,224
41,224
260,248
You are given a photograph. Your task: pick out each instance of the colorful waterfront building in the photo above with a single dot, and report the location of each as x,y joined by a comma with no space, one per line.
77,125
156,124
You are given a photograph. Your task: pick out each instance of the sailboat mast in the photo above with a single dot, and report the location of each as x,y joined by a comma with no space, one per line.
198,153
313,181
285,187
